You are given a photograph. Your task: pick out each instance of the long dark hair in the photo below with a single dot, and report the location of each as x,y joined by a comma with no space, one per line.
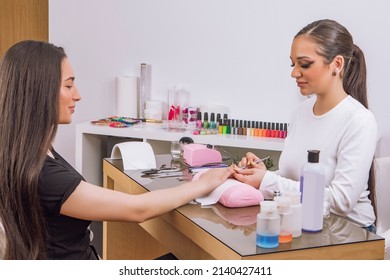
334,39
30,80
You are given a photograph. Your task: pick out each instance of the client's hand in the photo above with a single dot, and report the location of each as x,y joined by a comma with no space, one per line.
216,176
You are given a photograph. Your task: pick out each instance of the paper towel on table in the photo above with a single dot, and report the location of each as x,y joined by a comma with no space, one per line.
126,96
135,155
216,194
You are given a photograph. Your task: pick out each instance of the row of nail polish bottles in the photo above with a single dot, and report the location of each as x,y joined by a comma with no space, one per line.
224,125
207,126
254,128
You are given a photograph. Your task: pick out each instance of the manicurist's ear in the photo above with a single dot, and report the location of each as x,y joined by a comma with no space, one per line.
338,63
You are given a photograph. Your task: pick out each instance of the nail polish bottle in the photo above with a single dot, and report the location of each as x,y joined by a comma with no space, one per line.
261,129
265,127
225,116
268,130
232,127
217,123
277,131
253,128
229,126
273,131
280,135
213,125
220,126
284,130
206,123
224,126
199,121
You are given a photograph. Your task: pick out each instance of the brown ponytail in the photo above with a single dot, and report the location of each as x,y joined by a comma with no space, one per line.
354,82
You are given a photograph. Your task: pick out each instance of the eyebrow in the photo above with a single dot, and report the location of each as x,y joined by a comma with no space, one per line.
302,57
70,78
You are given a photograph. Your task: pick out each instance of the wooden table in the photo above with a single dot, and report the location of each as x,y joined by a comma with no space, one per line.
216,232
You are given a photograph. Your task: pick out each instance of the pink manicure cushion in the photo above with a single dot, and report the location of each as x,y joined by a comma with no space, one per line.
232,193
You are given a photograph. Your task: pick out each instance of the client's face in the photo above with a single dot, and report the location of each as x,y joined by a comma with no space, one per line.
69,94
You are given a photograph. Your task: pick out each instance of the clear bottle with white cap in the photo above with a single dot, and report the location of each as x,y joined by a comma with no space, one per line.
296,207
285,213
268,225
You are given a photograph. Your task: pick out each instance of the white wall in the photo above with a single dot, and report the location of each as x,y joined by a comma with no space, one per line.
227,52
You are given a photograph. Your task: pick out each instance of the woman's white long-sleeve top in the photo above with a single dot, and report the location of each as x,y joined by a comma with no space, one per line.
346,137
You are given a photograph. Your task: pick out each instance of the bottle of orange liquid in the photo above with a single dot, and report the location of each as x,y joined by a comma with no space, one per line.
285,213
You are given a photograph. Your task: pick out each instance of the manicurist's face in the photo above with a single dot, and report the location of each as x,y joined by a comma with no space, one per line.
69,94
311,72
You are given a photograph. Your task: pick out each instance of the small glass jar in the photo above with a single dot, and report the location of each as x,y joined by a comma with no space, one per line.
176,150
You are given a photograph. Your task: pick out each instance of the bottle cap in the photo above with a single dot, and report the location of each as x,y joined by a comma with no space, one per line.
313,156
283,203
205,116
282,200
199,116
212,117
268,206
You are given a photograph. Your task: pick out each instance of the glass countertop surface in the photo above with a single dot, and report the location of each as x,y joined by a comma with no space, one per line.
236,227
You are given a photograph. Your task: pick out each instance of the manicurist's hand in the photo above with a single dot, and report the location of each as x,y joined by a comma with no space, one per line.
251,161
251,176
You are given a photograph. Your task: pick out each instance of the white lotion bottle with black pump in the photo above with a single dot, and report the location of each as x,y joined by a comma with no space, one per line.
312,185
